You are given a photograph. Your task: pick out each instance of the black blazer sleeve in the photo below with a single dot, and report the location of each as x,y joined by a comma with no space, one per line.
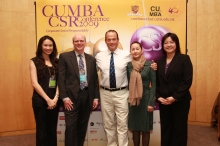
187,76
62,77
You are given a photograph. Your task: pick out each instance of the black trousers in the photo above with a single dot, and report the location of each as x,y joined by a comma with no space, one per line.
174,124
46,126
77,121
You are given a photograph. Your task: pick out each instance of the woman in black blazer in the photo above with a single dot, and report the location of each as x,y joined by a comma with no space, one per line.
174,78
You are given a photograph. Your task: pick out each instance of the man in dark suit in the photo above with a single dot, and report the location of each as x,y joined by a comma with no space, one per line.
78,87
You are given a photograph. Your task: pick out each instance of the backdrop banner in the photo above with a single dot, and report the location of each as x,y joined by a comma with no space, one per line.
145,21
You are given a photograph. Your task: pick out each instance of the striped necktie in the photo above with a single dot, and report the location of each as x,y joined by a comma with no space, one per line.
112,72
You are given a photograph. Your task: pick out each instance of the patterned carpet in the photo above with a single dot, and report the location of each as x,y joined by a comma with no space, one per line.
197,136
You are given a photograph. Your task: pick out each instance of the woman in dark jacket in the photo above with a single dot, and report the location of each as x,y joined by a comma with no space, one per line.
174,78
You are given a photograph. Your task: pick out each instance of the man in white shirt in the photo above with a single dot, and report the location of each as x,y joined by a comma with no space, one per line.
114,105
114,97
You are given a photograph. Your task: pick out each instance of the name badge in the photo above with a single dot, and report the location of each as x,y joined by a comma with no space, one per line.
52,82
82,78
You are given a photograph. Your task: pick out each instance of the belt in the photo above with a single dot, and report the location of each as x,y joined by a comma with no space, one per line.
84,89
113,89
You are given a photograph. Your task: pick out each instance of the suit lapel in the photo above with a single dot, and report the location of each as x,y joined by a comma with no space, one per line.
73,60
172,64
88,66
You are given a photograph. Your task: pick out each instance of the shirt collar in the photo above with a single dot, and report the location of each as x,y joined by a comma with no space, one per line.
115,52
77,54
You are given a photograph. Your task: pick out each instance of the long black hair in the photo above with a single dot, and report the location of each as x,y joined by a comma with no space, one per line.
40,59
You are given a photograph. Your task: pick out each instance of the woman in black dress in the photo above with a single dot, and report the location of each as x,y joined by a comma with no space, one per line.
43,71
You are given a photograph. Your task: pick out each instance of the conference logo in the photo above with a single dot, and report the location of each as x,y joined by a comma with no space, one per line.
61,140
173,10
74,16
155,11
103,139
99,124
93,131
62,117
156,122
134,11
61,109
62,125
91,124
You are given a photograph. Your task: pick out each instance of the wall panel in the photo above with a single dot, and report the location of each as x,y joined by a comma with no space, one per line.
17,42
191,46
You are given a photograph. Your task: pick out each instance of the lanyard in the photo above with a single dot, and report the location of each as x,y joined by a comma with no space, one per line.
50,72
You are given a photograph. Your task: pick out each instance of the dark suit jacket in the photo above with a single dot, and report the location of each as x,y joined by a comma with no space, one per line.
177,80
68,77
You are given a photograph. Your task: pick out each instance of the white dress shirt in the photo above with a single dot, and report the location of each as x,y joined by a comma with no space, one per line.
121,59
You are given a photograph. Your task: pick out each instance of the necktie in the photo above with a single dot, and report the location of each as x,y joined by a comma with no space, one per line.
82,73
112,72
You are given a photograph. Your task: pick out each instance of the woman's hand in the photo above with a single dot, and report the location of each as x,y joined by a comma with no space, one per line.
163,101
51,104
150,109
55,99
171,99
167,101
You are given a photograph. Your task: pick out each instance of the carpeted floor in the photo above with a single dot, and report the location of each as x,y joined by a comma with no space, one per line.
197,136
19,140
202,136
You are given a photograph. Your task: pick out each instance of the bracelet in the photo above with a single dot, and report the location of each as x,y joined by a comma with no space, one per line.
57,95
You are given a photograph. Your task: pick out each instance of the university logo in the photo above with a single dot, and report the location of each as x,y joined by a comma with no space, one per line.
135,9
